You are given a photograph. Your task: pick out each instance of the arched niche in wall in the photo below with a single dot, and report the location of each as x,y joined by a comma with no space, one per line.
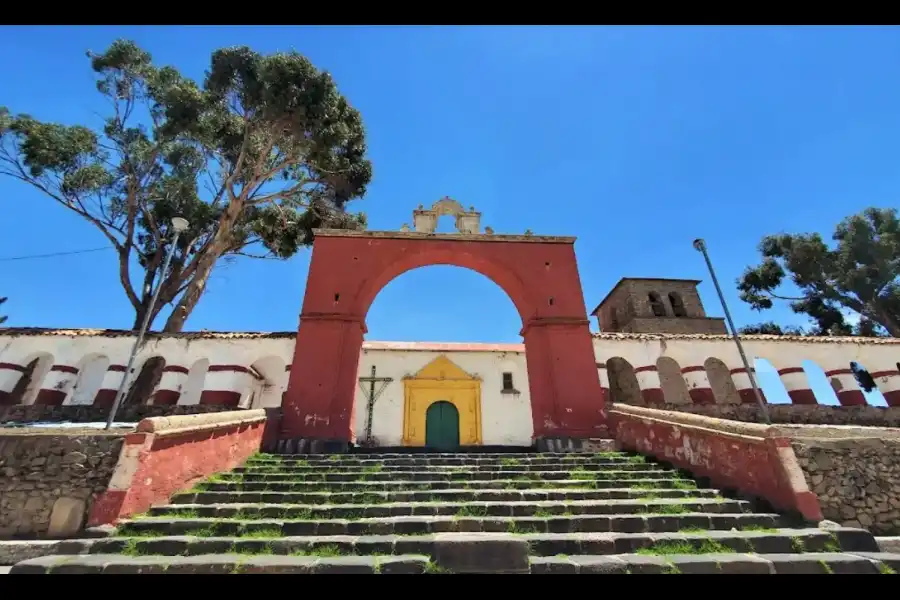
193,386
91,373
37,366
721,382
623,383
675,390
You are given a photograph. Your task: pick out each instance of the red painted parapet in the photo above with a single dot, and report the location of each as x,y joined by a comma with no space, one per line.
754,459
169,454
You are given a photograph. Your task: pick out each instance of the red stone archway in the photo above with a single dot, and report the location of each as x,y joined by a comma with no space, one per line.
348,269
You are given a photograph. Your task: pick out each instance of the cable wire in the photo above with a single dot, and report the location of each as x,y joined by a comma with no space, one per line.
52,254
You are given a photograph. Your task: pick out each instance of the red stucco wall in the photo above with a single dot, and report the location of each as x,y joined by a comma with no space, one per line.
540,277
750,464
160,466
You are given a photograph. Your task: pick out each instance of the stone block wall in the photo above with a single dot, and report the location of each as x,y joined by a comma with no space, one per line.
857,481
862,416
732,455
169,454
92,414
48,482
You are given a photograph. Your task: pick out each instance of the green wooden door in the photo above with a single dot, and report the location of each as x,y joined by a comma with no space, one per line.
442,426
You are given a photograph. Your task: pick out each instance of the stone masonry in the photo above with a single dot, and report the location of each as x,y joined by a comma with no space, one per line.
856,480
93,414
48,482
627,308
862,416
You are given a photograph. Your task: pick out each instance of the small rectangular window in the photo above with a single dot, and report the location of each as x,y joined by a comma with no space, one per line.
507,382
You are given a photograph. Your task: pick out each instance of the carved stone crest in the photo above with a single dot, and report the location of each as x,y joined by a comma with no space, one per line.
467,221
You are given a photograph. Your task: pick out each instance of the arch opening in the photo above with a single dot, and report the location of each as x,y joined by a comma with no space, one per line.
28,386
872,394
145,386
443,303
769,382
820,385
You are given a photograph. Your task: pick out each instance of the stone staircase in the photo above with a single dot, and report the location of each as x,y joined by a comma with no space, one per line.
437,513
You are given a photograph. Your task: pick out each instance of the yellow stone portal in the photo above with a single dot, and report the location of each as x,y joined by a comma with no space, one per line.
440,380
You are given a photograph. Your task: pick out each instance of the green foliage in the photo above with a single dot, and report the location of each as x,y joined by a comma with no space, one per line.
255,158
861,273
3,317
771,328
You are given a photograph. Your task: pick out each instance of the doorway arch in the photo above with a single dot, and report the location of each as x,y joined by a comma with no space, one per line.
442,426
538,273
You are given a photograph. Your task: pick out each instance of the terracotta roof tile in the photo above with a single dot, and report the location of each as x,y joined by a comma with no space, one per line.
435,346
812,339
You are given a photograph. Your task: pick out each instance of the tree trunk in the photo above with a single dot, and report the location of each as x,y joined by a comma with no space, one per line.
139,317
18,392
206,262
889,322
140,391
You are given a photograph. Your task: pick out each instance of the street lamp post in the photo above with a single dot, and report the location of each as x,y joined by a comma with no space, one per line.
700,246
178,225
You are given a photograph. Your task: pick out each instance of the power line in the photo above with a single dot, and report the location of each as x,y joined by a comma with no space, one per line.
53,254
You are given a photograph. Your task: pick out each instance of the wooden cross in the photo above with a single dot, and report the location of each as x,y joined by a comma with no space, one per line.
372,396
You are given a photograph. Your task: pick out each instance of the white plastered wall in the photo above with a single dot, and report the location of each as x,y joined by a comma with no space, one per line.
505,418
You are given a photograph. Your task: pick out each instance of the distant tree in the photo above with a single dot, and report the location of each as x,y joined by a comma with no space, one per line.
265,150
861,273
862,376
3,317
771,328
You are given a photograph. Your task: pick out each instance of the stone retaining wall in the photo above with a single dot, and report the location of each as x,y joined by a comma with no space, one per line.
750,458
168,454
857,481
48,481
864,416
91,414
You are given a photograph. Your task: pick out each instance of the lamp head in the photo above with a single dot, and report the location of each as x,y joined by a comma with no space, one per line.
699,244
179,224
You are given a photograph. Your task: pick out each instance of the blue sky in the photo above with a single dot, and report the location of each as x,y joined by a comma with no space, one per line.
634,139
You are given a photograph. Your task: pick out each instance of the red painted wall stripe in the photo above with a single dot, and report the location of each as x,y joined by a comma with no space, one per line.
791,370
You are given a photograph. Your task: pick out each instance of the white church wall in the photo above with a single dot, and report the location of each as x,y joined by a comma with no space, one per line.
208,361
505,418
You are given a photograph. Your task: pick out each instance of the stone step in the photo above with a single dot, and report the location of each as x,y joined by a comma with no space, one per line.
387,456
588,459
780,541
219,564
813,563
387,486
492,468
868,563
640,471
649,522
316,498
672,506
